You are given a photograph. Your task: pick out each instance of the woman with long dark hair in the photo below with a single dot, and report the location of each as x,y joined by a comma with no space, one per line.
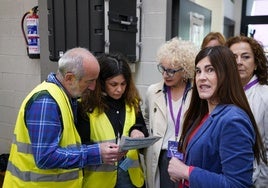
220,138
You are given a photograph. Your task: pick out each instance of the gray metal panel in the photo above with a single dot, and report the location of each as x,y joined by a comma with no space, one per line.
85,23
73,23
71,20
56,15
122,28
97,26
83,37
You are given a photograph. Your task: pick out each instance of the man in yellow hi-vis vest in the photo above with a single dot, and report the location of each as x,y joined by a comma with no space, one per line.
46,150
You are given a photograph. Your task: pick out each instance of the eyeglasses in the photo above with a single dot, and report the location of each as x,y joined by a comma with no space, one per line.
169,72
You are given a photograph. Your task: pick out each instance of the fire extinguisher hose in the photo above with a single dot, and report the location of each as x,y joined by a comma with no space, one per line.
22,28
33,10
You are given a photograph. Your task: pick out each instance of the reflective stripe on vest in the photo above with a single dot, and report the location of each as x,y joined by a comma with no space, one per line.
27,148
31,176
101,130
22,170
110,168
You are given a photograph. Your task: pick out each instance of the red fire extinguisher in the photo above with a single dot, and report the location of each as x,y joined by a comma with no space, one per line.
32,39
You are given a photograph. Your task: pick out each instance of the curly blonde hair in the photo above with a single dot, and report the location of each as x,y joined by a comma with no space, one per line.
179,53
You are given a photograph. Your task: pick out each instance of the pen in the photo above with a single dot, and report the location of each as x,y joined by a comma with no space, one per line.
118,139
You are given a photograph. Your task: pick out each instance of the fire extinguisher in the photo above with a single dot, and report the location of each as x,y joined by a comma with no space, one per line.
32,39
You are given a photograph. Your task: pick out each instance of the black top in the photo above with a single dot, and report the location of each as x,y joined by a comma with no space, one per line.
116,115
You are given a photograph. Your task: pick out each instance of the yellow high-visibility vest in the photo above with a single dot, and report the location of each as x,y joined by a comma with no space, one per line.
101,130
22,170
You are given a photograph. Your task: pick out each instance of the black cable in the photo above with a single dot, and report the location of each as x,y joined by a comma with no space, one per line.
22,28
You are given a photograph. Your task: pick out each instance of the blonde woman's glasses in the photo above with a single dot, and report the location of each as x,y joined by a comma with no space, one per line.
169,72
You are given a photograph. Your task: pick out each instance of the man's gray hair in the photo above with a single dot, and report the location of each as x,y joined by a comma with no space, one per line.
72,62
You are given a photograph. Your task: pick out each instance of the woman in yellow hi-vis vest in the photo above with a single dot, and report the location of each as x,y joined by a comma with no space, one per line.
108,113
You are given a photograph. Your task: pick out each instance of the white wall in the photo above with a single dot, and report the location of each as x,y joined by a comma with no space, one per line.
221,9
217,8
18,73
153,34
231,13
236,15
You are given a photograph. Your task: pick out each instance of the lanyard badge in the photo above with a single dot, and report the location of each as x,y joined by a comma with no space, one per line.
173,150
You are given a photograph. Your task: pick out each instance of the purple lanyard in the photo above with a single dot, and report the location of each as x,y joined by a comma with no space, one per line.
250,84
177,124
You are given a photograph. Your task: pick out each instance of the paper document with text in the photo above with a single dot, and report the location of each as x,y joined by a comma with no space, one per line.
128,143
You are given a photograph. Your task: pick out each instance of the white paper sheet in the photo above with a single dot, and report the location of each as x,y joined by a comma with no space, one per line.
128,143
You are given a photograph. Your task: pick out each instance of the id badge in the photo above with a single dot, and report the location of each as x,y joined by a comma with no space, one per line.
173,150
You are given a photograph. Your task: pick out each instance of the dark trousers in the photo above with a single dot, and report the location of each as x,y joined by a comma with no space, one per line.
165,181
123,179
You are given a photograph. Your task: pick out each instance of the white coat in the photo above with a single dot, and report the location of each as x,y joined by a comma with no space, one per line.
258,100
155,115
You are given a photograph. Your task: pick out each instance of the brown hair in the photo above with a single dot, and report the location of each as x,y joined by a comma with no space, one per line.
260,59
111,65
213,36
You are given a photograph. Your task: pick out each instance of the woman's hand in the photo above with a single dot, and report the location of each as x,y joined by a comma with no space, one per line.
136,134
177,170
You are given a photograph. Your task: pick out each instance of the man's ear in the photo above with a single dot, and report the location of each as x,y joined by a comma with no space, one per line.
69,77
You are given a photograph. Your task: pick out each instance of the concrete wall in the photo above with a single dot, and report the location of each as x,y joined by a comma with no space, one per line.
217,8
153,34
221,9
19,74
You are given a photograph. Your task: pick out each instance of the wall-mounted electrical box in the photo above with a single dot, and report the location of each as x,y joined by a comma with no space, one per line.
99,25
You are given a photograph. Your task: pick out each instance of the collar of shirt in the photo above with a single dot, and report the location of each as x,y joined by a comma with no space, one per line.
53,79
